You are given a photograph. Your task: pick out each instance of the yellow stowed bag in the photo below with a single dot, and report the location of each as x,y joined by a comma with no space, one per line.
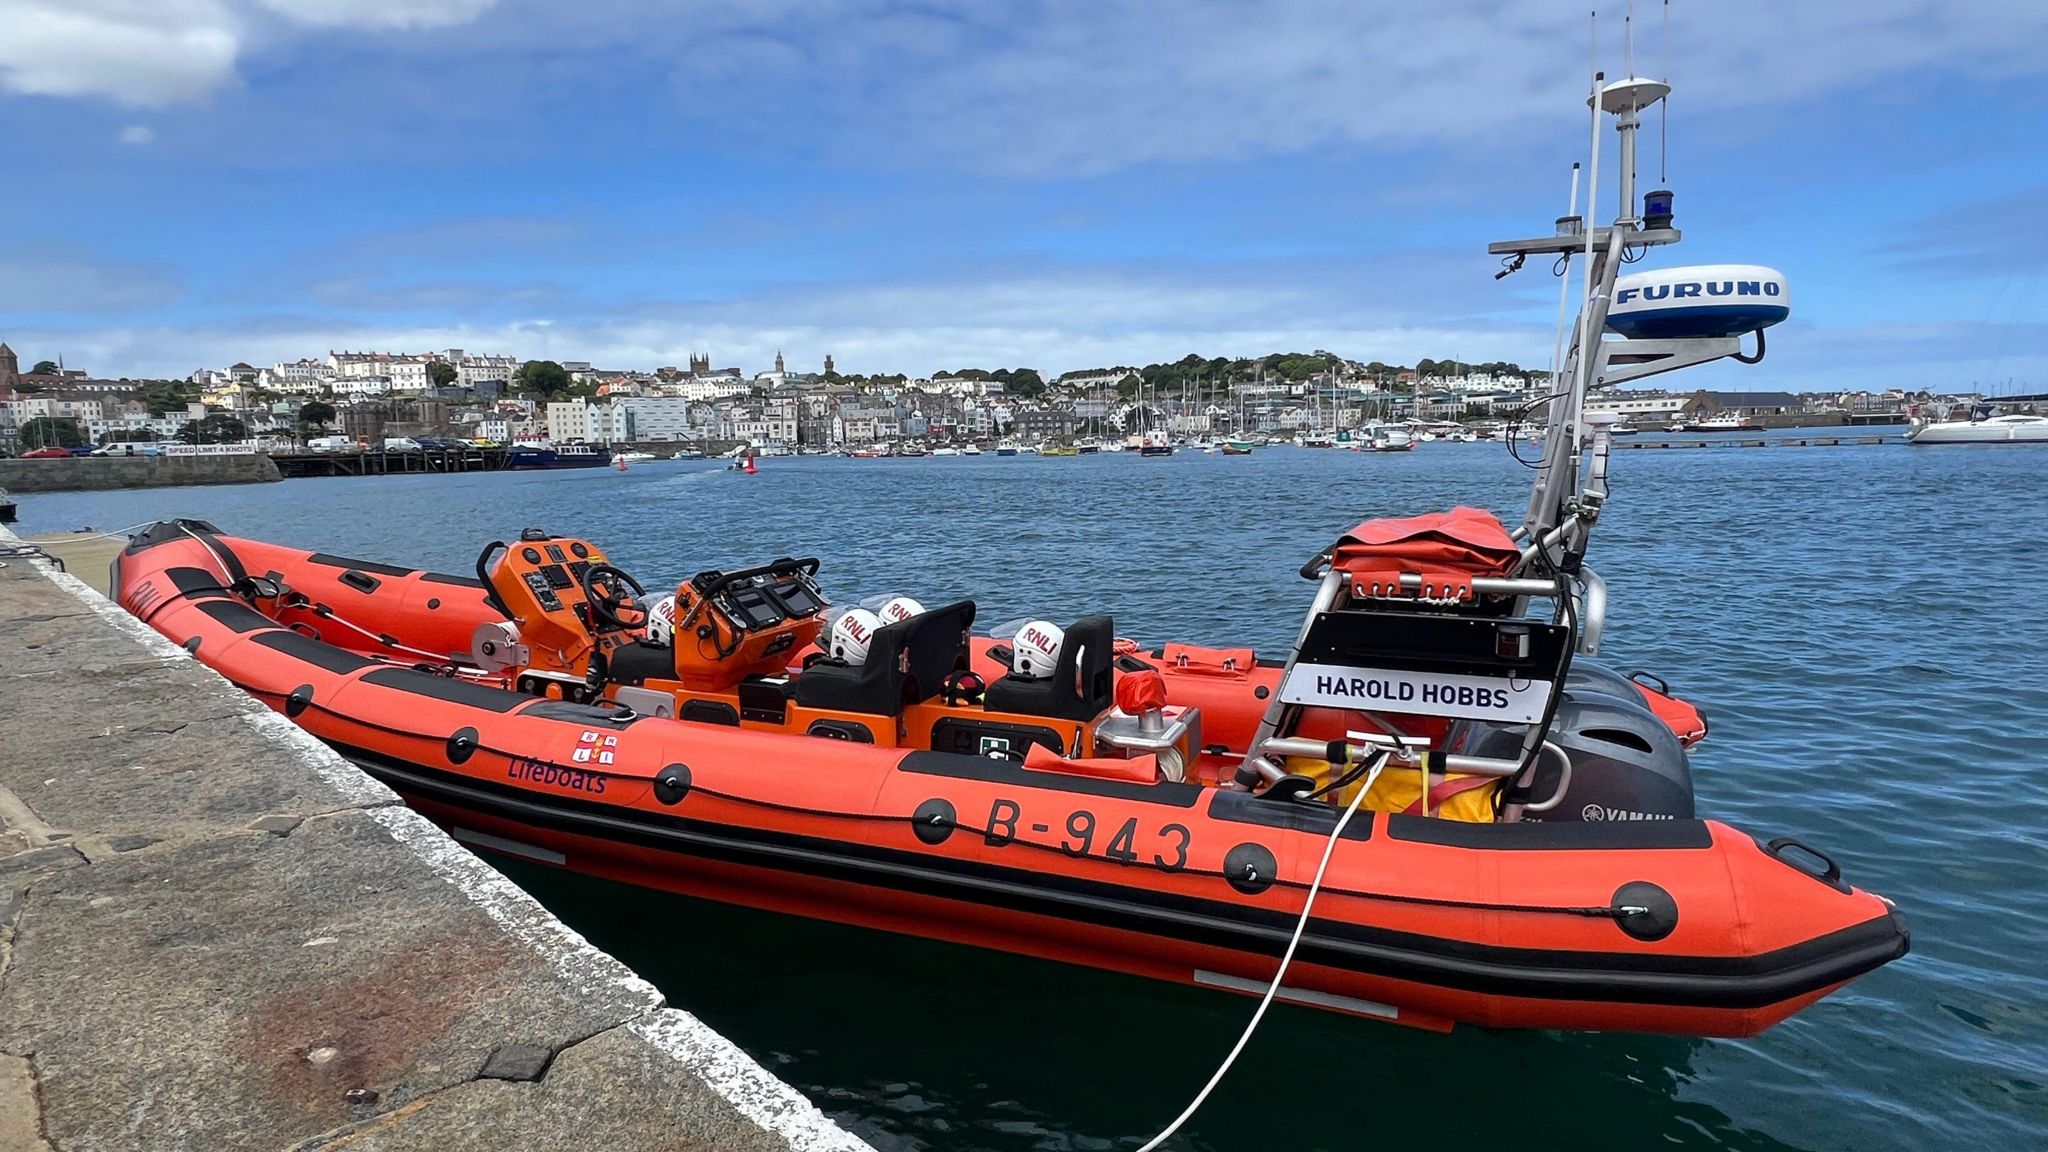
1399,789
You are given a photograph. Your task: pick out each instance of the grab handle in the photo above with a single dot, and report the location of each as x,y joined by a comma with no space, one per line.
1313,570
483,575
1776,848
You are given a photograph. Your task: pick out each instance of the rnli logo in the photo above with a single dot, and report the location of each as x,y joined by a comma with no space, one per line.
595,748
1040,640
1692,289
856,630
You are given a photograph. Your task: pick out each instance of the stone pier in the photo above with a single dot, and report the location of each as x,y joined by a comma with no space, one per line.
215,934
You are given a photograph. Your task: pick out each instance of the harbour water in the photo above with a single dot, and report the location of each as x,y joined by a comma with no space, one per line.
1863,625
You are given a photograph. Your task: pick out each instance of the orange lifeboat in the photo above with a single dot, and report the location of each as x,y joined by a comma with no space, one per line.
1098,816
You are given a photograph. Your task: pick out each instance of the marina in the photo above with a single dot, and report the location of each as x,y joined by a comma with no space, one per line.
1816,685
1038,752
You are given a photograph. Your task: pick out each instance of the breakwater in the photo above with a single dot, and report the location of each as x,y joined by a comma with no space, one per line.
216,933
94,473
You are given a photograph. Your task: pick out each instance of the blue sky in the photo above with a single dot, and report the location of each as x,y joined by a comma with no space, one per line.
917,186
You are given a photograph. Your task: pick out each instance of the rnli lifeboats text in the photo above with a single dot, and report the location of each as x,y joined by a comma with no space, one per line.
1422,693
555,776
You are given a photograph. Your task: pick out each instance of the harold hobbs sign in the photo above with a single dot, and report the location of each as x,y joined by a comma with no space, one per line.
1419,693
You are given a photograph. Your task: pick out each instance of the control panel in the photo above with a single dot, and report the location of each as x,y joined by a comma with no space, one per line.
755,600
539,582
735,624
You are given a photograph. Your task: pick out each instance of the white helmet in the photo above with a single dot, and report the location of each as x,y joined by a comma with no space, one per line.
851,635
898,609
1036,649
661,620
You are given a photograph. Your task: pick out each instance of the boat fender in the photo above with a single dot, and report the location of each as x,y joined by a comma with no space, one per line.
1250,868
1644,911
672,783
934,820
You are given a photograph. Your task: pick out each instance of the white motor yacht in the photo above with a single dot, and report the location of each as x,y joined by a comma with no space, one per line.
1990,430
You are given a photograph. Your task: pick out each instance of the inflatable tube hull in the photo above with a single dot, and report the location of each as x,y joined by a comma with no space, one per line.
1679,926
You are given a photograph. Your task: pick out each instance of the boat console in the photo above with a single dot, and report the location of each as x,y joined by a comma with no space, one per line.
746,622
563,600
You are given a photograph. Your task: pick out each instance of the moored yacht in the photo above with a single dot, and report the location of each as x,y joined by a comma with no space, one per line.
2009,429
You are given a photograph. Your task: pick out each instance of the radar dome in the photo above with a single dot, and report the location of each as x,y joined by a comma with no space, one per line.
1699,301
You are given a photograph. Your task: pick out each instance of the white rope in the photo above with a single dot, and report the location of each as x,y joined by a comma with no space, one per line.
1286,958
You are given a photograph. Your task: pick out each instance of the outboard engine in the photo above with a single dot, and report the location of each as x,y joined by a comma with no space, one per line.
1625,762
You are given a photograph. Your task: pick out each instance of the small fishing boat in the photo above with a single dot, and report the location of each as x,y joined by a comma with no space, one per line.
945,450
1237,447
1050,449
1155,443
970,449
1433,809
1089,447
1008,448
636,457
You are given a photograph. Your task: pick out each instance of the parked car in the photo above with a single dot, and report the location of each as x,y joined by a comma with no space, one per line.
46,454
401,444
126,450
84,450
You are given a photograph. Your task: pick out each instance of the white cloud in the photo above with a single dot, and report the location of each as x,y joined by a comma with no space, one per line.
138,52
379,14
1085,318
136,134
1092,88
1053,320
148,53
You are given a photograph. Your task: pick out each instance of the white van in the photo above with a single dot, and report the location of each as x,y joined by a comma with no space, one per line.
330,444
401,444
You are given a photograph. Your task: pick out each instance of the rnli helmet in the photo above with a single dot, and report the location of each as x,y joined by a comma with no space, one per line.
898,609
1036,649
661,621
850,636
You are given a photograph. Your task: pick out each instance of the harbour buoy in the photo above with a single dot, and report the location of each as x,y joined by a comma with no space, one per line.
1702,300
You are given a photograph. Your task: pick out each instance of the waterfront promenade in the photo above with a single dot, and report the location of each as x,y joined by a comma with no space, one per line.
217,934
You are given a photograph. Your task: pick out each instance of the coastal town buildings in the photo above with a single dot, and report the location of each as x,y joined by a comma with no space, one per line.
370,394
